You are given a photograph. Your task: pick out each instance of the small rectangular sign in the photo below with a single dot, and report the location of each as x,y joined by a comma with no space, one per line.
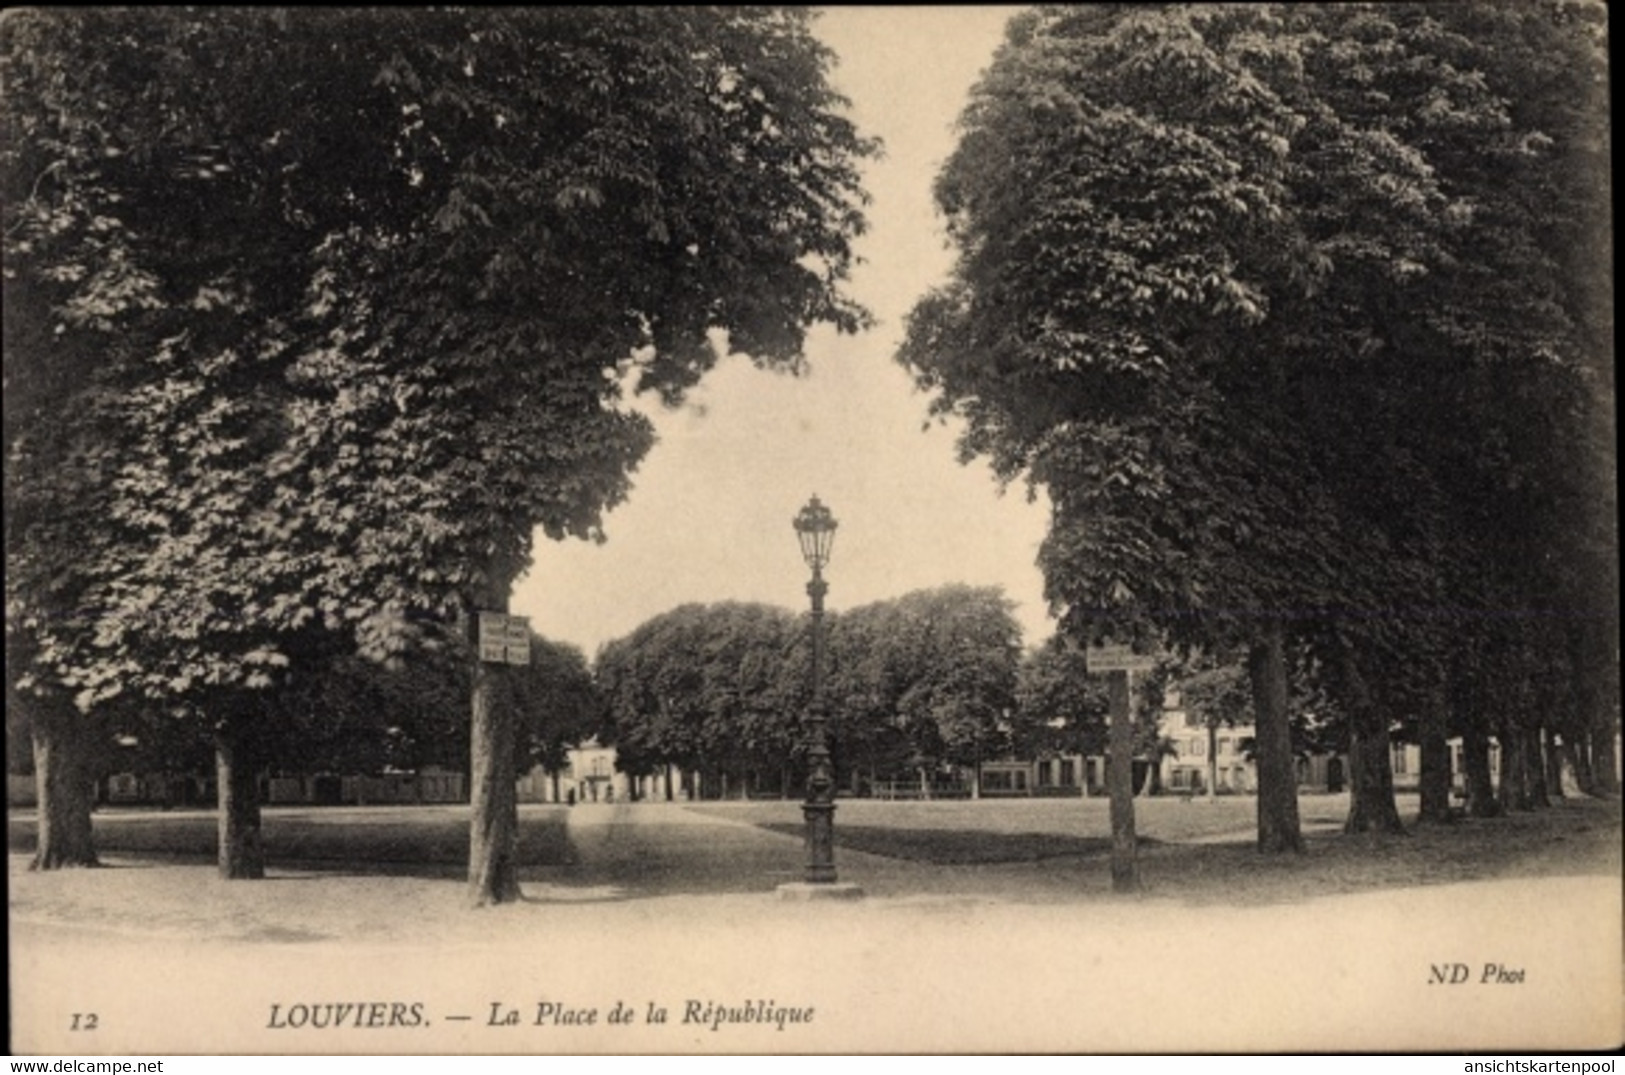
493,627
1117,658
504,639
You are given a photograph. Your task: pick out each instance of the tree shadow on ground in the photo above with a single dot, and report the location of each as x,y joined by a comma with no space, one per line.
642,869
1581,839
435,848
961,847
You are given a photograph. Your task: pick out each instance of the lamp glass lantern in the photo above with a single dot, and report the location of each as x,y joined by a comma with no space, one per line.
815,529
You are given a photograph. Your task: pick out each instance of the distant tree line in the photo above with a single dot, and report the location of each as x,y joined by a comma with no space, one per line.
360,717
913,685
921,689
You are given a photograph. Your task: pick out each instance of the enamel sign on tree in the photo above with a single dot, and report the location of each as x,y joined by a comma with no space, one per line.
504,639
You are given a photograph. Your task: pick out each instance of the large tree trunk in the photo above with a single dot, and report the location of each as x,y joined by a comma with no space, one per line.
65,785
1513,789
1553,753
1535,767
1371,766
1475,752
1120,776
493,839
1604,771
493,831
237,773
1278,829
1212,760
1371,781
1573,749
1596,694
1435,750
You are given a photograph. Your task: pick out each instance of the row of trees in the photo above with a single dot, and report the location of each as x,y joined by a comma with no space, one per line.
359,716
916,686
314,319
912,683
1301,316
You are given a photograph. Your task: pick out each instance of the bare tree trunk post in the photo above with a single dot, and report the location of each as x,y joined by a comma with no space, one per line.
1435,750
241,845
1278,829
493,836
493,867
1120,777
64,787
1212,760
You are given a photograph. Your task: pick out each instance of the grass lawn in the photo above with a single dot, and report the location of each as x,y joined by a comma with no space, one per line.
1203,852
393,874
959,832
1029,850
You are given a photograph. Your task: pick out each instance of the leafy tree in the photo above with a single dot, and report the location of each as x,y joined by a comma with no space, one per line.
385,282
1060,708
704,688
1543,285
932,674
559,704
913,682
1218,267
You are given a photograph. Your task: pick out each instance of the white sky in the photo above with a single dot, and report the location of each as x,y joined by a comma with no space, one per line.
709,516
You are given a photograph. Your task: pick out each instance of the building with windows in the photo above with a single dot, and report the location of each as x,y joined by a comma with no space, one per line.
1055,776
1221,758
1202,757
589,775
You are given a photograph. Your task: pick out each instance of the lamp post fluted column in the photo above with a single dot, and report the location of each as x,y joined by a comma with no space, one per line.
815,530
819,808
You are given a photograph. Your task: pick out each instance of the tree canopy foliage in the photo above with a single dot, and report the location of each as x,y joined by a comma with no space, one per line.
376,293
1293,311
704,688
927,679
315,318
923,681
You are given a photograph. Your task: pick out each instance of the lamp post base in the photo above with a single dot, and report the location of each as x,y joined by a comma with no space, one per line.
804,892
819,820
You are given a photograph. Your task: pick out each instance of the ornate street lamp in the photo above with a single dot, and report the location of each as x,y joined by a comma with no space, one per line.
815,529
